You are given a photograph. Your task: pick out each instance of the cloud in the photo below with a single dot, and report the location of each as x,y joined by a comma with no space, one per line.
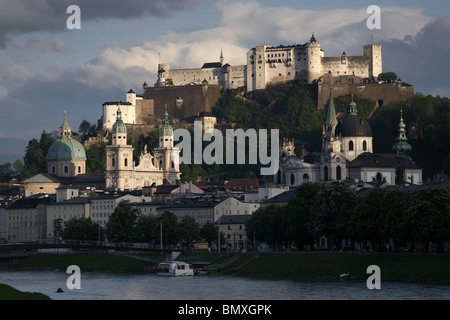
25,16
414,46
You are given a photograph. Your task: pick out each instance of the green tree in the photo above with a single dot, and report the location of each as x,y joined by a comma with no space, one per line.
144,230
122,222
188,230
428,216
387,76
84,128
170,226
208,232
82,229
96,158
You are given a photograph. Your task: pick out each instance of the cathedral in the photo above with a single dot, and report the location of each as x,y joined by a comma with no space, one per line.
160,168
347,155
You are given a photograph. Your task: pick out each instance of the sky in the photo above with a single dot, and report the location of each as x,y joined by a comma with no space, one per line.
46,68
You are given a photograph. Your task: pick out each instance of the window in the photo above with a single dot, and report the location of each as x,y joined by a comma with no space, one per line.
66,169
338,173
350,145
113,162
125,162
364,145
379,178
79,169
325,173
292,179
305,177
53,169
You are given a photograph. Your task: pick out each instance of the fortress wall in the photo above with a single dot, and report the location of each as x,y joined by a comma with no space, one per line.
236,77
192,99
384,93
181,77
145,110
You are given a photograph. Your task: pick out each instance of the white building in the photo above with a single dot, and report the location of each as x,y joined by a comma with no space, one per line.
103,206
347,155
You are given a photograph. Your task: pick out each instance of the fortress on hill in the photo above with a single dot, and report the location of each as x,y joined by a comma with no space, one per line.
189,92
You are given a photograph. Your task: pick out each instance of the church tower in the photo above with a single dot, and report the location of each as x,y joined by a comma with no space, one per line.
167,156
332,160
119,158
401,146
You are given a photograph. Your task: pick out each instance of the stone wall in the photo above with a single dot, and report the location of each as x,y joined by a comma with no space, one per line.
383,93
182,101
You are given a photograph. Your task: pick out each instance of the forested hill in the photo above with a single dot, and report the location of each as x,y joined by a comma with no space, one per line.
292,108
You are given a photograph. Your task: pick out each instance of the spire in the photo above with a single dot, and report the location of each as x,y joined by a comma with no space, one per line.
331,121
401,145
352,109
65,131
65,124
313,39
221,57
119,126
166,128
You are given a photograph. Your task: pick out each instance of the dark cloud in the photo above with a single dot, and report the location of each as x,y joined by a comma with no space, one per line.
25,16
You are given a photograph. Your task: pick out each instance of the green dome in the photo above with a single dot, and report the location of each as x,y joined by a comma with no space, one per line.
119,126
166,129
66,149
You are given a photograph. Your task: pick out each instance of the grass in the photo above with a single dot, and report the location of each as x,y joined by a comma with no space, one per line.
9,293
87,261
431,268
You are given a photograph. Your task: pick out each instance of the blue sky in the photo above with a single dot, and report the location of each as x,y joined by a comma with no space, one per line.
46,68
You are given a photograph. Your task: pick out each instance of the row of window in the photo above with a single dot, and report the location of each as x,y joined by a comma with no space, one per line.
66,169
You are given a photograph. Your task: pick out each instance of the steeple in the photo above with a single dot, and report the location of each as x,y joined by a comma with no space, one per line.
352,108
119,126
331,121
401,145
221,57
166,128
65,131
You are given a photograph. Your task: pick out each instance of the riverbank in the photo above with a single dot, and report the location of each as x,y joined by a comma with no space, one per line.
9,293
421,268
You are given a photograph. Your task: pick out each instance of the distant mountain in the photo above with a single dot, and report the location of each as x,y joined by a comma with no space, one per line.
12,149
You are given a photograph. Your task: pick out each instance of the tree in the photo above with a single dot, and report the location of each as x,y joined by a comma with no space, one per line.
96,155
144,230
82,229
84,128
428,216
169,222
121,223
188,230
387,76
209,232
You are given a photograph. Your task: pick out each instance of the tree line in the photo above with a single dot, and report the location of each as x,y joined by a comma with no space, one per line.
381,217
128,224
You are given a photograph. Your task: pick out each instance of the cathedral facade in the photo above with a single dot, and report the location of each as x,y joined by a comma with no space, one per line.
157,169
347,155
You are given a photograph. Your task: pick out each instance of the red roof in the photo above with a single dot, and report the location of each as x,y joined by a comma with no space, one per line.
242,183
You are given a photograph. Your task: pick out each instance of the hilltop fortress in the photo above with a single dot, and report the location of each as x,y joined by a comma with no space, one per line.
188,92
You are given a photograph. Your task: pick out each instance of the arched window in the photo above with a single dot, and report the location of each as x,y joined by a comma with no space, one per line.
364,145
350,145
379,177
125,162
113,162
338,173
292,179
305,177
325,173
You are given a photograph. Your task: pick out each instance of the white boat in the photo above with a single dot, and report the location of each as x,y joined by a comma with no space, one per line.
175,268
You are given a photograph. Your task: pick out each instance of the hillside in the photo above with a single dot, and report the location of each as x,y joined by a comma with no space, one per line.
291,108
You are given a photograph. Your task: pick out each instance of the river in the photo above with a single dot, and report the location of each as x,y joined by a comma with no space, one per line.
123,286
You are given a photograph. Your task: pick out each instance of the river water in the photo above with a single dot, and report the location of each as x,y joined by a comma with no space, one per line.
122,286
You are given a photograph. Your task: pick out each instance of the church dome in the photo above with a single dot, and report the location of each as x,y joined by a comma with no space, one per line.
354,125
166,129
66,149
119,126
